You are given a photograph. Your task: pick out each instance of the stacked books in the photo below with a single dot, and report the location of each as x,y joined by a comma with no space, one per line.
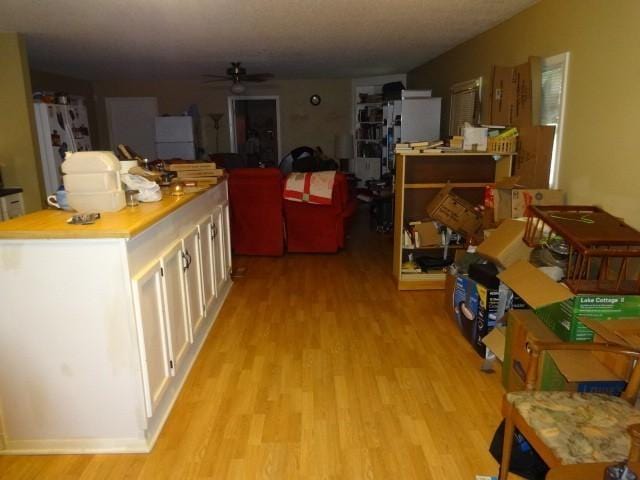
409,148
200,173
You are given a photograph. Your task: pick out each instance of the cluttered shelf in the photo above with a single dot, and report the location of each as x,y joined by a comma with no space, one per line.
423,249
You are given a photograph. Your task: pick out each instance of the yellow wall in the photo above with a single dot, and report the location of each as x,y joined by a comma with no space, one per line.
19,158
300,122
600,155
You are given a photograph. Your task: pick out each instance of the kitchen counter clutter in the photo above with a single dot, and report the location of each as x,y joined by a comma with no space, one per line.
125,223
101,323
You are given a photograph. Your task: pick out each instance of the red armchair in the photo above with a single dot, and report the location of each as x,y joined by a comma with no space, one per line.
255,203
319,228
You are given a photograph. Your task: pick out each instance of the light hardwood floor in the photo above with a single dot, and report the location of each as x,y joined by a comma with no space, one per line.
317,368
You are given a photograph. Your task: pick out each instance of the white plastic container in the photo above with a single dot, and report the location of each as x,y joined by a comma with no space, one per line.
97,201
91,182
90,162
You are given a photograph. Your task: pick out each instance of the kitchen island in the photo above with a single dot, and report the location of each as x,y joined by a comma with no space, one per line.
101,323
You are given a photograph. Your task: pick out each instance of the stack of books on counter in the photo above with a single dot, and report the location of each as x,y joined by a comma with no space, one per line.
201,174
409,148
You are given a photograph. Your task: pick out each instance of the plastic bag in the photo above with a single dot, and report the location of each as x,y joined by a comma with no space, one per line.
148,191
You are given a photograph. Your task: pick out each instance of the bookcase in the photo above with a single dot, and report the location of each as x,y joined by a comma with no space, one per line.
419,177
369,135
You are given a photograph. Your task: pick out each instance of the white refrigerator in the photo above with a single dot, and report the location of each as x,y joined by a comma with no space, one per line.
413,118
61,129
175,138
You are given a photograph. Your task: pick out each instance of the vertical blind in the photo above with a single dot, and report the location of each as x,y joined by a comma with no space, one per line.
552,79
465,103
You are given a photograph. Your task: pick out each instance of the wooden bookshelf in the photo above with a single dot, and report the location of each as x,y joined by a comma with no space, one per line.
419,177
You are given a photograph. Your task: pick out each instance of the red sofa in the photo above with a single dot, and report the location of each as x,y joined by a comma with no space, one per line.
255,204
320,228
259,215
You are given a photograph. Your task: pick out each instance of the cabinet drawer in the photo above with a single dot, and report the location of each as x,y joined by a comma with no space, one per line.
12,205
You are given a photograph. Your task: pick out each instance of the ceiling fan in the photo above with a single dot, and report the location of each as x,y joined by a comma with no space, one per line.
238,74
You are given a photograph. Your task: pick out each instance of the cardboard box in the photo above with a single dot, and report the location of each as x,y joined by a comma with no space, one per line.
515,94
475,139
510,200
428,233
495,342
476,309
559,309
449,288
456,213
624,332
535,149
558,369
502,96
505,245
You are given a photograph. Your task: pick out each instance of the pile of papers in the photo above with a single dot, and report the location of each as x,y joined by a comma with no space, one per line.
202,174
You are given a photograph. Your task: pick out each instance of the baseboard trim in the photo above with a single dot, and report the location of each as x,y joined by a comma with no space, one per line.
75,446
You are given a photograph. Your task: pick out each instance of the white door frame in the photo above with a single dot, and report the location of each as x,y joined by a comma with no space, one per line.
232,119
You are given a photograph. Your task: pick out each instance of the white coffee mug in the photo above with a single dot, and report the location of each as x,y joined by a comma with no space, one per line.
59,200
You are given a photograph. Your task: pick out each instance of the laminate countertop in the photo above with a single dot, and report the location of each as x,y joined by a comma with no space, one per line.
125,223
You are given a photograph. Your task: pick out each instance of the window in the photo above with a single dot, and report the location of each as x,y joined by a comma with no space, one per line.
554,86
465,104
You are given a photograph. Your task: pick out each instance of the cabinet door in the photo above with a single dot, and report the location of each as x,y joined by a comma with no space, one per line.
226,241
193,282
175,303
148,302
205,228
218,249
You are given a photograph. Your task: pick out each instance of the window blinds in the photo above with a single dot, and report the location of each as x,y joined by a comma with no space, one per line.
465,98
552,79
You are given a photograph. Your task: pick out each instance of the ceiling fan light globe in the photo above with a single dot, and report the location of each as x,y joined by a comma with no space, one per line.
238,88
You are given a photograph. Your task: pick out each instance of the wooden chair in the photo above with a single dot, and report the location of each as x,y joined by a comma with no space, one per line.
568,428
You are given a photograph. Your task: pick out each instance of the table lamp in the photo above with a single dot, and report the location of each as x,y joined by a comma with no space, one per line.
343,150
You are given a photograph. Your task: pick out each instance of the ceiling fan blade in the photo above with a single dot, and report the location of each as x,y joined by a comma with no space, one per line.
256,77
215,80
219,77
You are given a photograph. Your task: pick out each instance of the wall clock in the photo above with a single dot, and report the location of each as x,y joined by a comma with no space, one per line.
315,99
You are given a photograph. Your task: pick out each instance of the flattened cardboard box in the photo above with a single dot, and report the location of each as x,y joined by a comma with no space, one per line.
515,94
559,308
535,149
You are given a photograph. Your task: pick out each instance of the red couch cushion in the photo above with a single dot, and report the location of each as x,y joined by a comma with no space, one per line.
255,203
319,228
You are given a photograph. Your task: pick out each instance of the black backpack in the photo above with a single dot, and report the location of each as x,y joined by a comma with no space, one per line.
525,461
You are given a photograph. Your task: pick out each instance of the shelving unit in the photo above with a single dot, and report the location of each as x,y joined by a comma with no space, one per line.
419,177
368,134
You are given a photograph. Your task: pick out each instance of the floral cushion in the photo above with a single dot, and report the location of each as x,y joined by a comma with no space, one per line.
578,427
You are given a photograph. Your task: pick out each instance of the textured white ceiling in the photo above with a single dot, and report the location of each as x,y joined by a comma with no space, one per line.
95,39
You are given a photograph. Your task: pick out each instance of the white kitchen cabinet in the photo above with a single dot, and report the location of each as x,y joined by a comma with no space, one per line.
193,279
225,232
205,228
149,304
219,256
175,304
109,342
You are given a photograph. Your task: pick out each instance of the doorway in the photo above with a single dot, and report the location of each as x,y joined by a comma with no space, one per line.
255,129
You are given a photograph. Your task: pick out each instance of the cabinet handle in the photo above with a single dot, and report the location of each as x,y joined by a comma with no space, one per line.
188,259
185,261
214,231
